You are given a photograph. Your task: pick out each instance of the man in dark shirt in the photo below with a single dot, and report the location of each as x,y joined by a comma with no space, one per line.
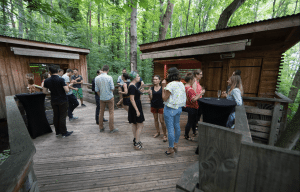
77,80
59,101
97,98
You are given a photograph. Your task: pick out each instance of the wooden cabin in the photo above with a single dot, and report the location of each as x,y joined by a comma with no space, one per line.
19,57
255,48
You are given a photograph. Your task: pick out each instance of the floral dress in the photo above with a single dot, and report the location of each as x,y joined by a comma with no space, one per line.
236,96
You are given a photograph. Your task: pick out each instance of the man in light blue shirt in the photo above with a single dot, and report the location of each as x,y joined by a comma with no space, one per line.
104,86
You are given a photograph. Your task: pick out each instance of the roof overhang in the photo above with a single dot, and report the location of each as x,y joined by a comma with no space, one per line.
36,44
40,53
278,35
198,50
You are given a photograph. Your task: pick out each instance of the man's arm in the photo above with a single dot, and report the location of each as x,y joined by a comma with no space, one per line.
66,88
45,91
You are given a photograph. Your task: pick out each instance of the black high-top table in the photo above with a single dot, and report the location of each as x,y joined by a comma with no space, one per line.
216,111
35,111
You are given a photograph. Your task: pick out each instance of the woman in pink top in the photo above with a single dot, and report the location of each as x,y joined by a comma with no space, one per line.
198,89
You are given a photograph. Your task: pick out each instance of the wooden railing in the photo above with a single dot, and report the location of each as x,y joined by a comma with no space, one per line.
16,172
228,163
267,117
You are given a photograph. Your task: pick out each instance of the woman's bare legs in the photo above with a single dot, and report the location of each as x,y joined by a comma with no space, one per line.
155,115
134,127
139,129
163,126
125,107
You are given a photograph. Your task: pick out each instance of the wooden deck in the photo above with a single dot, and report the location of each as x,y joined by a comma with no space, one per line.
92,161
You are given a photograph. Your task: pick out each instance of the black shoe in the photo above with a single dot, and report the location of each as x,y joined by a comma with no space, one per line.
83,105
97,122
67,134
105,120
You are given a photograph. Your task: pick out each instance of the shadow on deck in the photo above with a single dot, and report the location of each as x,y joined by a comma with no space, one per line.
92,161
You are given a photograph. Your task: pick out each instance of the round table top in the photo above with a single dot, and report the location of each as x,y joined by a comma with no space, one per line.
214,101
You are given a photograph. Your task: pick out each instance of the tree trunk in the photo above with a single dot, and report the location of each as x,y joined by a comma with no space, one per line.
187,18
273,13
180,20
153,30
50,20
133,36
291,134
225,16
171,27
161,2
12,15
90,21
144,27
296,6
165,21
294,88
256,9
99,25
103,35
205,21
4,21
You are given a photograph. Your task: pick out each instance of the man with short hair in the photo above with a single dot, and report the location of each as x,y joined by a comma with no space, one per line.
59,101
73,103
104,86
60,72
97,98
77,80
120,83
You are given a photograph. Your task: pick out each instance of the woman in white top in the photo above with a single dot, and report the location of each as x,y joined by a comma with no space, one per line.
174,99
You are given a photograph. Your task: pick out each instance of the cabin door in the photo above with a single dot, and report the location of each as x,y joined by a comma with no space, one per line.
250,75
212,78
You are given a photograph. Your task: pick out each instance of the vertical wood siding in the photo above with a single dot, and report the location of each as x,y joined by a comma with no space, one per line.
13,69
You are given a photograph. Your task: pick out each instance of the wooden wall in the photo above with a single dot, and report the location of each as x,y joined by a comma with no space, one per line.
13,69
259,74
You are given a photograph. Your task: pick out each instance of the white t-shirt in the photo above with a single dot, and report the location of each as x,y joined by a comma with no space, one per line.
178,97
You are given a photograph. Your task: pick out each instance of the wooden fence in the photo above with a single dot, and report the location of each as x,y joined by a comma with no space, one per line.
267,117
16,173
228,163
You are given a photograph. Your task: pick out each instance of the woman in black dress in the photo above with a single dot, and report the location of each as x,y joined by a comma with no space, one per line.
135,112
157,107
126,99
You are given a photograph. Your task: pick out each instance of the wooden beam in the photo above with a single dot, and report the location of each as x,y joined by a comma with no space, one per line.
228,32
281,96
198,50
275,117
42,45
39,53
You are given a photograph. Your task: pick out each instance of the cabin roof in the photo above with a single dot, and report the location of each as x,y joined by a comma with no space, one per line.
38,44
285,30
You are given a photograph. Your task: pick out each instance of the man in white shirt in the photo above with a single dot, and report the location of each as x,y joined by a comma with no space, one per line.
104,86
72,100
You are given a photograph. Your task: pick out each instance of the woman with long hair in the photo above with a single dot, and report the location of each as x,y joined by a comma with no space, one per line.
125,99
45,76
135,111
157,106
198,74
191,105
235,93
175,98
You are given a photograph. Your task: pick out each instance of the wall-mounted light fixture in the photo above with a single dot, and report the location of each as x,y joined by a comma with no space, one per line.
227,55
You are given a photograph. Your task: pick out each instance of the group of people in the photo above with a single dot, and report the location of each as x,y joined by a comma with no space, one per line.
168,99
64,88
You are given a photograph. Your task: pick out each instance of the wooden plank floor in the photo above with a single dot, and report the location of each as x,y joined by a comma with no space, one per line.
92,161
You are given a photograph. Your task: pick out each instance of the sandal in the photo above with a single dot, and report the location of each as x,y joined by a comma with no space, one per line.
188,138
156,135
165,139
170,152
138,146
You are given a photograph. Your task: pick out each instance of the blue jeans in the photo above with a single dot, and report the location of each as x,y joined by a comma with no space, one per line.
172,120
97,98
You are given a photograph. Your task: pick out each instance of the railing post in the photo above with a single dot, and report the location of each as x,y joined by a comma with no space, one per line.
275,117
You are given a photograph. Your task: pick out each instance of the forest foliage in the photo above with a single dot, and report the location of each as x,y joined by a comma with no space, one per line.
103,26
